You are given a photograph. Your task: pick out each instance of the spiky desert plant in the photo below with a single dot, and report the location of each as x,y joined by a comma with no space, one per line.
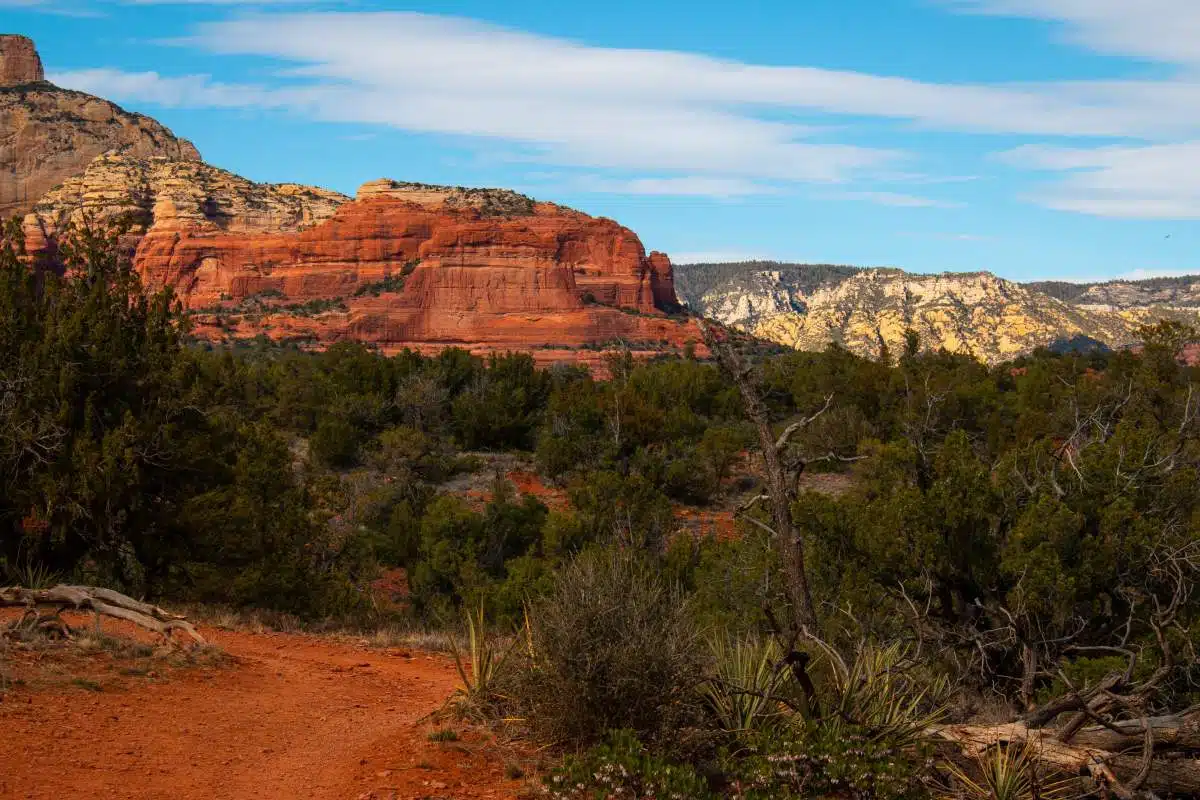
1008,771
478,665
882,692
743,695
32,576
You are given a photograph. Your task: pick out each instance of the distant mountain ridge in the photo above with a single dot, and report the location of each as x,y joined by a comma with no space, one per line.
1181,291
808,306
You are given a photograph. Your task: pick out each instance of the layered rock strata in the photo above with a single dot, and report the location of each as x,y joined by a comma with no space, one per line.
401,265
49,134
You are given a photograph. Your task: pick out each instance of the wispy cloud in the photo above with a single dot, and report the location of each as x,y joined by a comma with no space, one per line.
1167,31
950,237
61,9
1145,274
718,257
241,3
190,91
686,186
1135,182
895,199
391,52
712,124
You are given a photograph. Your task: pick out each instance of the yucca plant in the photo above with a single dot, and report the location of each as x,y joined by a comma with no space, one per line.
1008,771
32,576
478,665
742,695
878,693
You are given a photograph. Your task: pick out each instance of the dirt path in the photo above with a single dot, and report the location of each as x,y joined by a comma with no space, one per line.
295,717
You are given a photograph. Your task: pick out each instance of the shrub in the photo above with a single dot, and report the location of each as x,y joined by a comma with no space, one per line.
334,443
610,647
827,761
621,767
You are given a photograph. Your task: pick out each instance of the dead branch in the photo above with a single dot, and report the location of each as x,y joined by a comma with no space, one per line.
1120,774
103,602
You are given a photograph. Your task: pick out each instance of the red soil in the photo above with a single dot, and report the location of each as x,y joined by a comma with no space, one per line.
529,482
295,717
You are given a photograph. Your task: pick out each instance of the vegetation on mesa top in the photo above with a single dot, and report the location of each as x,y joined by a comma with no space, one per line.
693,281
1024,519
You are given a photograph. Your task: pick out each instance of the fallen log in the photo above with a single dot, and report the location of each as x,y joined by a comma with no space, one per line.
1171,732
1125,775
104,602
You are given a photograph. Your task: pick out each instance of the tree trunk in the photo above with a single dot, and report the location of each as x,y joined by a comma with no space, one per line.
789,540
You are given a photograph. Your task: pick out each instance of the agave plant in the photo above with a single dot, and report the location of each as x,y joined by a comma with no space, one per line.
743,695
1008,771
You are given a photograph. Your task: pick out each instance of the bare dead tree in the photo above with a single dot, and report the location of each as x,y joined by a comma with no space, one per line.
780,485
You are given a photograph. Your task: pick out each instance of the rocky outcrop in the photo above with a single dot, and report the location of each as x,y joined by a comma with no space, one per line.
175,196
48,134
977,313
980,314
19,61
402,265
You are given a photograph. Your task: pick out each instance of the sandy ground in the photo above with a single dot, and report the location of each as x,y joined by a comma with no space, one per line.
294,716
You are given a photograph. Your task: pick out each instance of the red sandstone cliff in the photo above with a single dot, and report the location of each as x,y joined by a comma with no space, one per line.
402,265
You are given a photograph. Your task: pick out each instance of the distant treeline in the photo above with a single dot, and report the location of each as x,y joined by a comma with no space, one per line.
1069,292
693,281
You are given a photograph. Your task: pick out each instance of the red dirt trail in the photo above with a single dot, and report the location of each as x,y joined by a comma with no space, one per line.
295,717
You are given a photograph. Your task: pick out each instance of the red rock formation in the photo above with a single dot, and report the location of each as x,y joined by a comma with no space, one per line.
403,265
19,61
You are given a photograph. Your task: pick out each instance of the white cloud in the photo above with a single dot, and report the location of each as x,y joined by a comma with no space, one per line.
1145,274
168,92
950,237
1161,30
393,53
685,186
708,121
242,3
895,199
718,257
1134,182
52,7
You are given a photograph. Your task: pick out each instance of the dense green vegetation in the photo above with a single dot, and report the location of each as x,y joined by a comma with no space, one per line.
1008,534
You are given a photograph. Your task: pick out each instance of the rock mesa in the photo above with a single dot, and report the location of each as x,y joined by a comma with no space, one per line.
403,264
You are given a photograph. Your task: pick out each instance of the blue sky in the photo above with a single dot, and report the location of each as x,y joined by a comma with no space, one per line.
1033,138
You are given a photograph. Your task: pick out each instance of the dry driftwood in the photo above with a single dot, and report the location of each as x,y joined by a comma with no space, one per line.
101,601
1125,773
